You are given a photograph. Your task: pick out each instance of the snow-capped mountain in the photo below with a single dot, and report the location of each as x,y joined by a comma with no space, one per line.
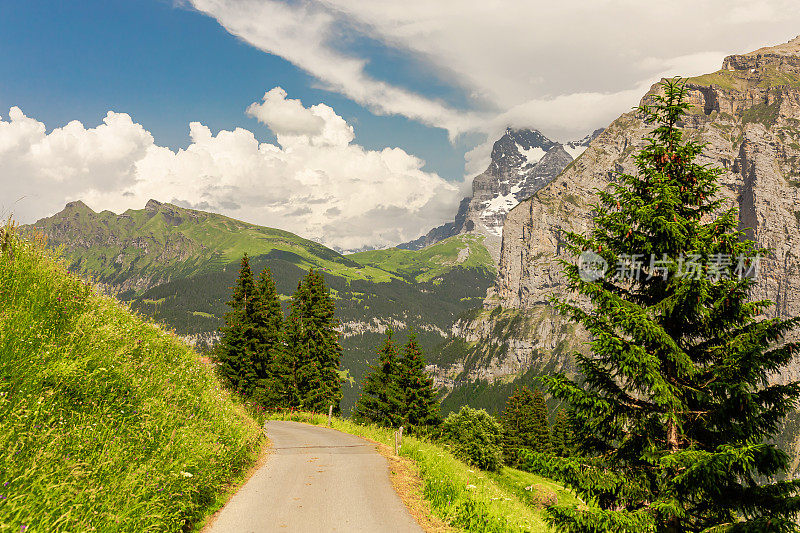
522,162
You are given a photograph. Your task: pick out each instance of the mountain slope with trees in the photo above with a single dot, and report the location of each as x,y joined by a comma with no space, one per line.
674,412
177,265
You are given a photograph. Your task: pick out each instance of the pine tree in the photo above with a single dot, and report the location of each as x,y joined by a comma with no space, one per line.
562,438
313,346
524,422
381,401
234,355
675,411
541,429
295,352
420,405
269,358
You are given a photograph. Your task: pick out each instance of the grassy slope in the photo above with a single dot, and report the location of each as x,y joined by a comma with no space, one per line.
739,80
465,498
435,260
180,243
109,423
150,241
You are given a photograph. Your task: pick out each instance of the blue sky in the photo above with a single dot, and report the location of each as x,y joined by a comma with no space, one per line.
349,122
167,65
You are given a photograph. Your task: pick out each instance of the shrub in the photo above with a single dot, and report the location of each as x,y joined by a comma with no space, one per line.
475,437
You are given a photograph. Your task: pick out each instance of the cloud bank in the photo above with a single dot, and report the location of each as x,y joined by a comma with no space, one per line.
563,67
315,182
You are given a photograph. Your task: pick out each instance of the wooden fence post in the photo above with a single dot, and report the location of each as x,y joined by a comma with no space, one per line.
330,414
399,440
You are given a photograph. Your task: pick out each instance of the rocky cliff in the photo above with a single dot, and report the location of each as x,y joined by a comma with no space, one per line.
522,162
749,114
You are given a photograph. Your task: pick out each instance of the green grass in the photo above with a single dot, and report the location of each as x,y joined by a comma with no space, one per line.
464,497
466,251
762,114
109,423
727,79
165,242
769,76
528,486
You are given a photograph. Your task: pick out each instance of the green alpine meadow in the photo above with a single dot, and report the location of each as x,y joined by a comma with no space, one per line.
110,422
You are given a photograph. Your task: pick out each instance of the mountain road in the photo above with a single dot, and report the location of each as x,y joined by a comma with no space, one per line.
316,480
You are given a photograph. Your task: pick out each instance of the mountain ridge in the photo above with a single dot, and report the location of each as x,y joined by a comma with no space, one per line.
522,161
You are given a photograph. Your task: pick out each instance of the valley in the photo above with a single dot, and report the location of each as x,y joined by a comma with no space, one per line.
177,265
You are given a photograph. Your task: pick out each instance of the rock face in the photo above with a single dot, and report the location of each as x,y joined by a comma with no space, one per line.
749,114
522,162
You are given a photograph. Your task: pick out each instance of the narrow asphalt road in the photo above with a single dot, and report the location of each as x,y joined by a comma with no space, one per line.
317,480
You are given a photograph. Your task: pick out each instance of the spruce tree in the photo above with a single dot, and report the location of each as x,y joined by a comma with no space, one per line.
541,429
524,422
674,409
561,436
381,401
269,358
420,405
313,346
234,355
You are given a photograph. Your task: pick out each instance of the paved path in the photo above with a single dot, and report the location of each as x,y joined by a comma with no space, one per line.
317,480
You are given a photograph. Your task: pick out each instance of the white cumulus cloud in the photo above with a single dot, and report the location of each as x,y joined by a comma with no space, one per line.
315,181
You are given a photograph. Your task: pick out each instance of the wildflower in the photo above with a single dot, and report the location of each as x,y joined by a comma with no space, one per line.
470,487
186,474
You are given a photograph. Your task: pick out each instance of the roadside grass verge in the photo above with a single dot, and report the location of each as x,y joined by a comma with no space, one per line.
109,423
465,498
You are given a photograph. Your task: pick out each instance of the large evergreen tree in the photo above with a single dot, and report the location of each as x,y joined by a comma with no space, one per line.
524,422
234,354
269,358
381,401
675,411
313,348
420,405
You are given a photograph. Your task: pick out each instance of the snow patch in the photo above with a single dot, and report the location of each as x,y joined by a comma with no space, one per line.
533,154
499,204
574,151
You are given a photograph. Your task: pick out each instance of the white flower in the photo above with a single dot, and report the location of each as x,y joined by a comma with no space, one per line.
186,474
